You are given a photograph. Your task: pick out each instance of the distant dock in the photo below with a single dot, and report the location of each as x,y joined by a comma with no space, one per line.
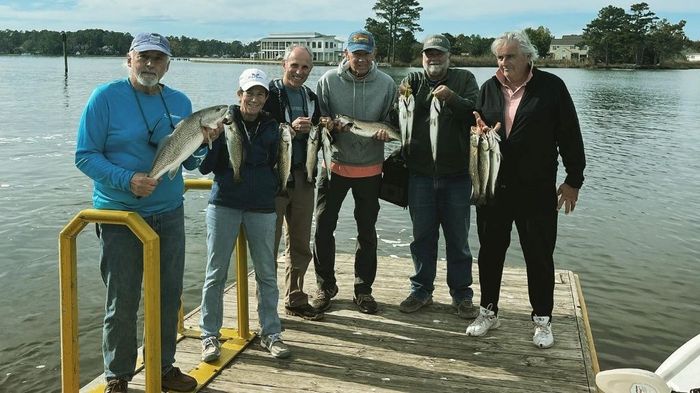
240,61
427,351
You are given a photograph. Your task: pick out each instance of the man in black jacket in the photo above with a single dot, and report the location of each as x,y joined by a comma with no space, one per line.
539,123
439,189
292,102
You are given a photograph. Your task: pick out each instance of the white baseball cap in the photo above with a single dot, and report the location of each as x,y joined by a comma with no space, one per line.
253,77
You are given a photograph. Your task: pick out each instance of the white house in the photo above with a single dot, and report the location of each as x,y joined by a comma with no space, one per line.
565,48
693,56
324,48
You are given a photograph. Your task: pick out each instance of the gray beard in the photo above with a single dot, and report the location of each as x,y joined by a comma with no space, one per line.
435,70
147,81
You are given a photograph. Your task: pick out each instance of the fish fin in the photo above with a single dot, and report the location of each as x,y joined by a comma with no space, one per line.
173,172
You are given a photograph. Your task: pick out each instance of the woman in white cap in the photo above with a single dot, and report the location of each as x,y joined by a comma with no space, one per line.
249,199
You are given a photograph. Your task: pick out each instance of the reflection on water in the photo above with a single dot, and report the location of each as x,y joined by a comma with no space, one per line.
632,239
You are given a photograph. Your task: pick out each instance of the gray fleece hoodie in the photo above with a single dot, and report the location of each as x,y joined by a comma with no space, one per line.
370,99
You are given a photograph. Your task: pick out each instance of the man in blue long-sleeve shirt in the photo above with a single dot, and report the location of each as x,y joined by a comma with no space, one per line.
118,135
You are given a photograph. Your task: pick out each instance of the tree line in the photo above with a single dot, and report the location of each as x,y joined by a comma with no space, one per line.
96,42
614,37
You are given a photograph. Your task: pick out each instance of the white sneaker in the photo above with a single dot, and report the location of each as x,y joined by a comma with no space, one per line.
543,336
210,349
486,320
274,344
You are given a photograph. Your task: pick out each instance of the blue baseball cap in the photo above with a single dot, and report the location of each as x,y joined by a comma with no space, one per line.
361,40
150,41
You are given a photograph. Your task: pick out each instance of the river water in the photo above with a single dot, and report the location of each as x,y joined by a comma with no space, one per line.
633,238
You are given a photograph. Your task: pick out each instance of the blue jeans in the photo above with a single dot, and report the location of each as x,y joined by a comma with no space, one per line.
435,202
121,265
223,224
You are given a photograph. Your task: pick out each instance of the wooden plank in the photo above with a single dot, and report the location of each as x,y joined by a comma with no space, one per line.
426,351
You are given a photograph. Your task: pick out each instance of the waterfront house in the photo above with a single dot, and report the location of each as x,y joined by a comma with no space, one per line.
567,48
324,48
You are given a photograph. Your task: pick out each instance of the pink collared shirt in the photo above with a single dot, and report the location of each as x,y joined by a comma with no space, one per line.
511,98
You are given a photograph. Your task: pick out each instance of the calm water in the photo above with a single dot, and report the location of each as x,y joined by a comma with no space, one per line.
633,238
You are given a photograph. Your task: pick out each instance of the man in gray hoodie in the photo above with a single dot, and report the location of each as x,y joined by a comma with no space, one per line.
359,90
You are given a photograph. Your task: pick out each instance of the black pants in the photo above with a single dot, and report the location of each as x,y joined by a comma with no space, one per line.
331,193
537,230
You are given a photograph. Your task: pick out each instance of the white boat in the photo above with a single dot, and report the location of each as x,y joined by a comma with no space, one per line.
679,373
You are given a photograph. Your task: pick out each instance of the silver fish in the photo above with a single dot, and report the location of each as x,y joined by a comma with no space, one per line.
474,163
369,128
327,152
234,144
435,108
185,139
406,106
494,161
484,169
284,155
312,153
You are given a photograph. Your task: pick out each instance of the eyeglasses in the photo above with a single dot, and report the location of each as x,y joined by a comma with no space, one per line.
143,116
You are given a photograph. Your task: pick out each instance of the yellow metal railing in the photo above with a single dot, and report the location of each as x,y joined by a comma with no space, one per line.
70,372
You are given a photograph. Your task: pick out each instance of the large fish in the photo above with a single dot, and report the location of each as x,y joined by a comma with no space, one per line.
406,106
326,150
234,144
474,163
435,109
484,170
369,128
185,139
312,153
284,155
494,159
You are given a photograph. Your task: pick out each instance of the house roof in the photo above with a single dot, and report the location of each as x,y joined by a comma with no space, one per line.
571,39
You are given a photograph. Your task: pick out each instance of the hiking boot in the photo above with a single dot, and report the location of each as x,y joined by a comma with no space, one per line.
117,386
366,303
543,337
486,320
304,311
413,304
210,349
175,381
274,344
466,309
322,299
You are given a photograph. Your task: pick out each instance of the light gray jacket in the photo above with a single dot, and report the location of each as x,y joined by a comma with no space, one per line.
370,99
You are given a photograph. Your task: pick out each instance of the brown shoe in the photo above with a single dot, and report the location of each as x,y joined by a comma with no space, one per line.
176,381
117,386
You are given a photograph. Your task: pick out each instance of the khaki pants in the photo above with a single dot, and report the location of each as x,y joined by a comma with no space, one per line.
296,211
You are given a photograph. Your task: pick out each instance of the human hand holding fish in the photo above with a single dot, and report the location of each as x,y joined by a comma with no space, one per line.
141,185
211,134
381,135
443,93
567,197
481,127
302,125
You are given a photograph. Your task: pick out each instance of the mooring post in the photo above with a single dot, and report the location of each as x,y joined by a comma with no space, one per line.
65,54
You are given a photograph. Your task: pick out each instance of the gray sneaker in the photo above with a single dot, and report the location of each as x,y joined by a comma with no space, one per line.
466,309
210,349
413,304
274,344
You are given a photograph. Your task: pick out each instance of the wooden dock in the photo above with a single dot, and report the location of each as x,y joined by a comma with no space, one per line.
426,351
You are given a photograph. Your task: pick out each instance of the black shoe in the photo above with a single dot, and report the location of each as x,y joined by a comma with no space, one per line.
366,303
304,311
117,386
176,381
322,299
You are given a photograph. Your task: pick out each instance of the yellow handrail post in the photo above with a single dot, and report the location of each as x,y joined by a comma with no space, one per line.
69,302
70,368
242,284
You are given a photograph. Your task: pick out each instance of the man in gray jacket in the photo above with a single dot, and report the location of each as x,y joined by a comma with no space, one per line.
359,90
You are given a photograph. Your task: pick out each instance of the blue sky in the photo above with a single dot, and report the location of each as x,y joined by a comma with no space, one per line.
252,20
